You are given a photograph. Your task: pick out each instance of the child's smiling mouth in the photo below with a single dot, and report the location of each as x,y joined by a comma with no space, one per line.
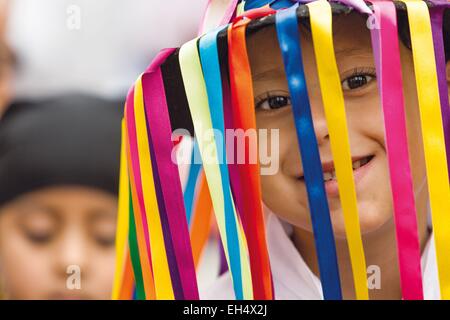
360,167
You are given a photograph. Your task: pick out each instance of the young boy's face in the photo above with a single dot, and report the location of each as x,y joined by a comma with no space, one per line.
285,192
58,243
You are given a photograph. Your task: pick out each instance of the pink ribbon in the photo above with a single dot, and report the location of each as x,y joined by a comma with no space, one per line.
160,139
389,76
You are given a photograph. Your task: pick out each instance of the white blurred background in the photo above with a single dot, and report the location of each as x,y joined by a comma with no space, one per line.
93,46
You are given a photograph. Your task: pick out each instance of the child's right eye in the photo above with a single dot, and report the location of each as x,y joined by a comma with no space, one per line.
359,78
273,101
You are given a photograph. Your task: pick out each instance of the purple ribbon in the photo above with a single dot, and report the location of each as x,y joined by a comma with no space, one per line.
437,16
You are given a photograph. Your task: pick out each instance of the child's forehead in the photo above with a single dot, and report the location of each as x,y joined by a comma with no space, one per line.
348,30
350,33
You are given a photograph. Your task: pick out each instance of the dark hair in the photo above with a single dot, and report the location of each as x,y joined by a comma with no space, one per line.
66,140
339,9
403,30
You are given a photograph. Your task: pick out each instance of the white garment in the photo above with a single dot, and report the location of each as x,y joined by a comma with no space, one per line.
292,278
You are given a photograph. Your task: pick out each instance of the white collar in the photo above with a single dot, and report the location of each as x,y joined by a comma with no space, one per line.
294,280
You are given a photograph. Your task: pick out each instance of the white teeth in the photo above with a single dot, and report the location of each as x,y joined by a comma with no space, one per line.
327,176
357,164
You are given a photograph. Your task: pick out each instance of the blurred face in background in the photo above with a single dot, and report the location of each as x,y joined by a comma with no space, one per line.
58,243
6,60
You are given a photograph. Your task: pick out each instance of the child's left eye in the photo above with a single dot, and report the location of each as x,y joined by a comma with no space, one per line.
271,102
357,81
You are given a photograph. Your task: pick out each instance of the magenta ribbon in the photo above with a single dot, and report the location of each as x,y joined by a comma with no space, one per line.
389,71
132,139
160,133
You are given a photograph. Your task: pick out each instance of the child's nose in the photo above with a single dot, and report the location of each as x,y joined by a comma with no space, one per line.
72,255
320,124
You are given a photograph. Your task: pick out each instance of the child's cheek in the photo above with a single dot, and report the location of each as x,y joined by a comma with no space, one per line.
281,135
282,193
365,121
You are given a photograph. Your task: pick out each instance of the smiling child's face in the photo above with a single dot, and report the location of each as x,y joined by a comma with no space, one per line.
285,192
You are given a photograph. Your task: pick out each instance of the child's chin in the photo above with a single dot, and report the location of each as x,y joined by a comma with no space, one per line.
370,221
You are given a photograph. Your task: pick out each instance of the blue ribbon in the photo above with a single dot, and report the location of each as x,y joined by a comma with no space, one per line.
274,4
289,40
209,57
194,172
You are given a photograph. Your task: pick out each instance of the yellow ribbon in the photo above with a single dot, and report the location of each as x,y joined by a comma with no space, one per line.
433,135
333,100
240,8
198,103
143,254
122,218
160,266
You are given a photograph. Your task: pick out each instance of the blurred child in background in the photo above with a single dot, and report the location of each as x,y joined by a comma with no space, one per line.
59,164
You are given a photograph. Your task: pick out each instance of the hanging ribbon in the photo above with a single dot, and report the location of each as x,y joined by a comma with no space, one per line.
139,225
128,284
236,188
244,119
437,16
168,176
163,282
226,17
123,277
333,101
211,69
194,172
201,223
389,71
289,37
211,72
227,220
165,225
135,256
122,219
240,8
229,13
202,27
432,134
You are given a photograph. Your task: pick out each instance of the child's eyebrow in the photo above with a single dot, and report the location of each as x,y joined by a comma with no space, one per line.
95,216
353,51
